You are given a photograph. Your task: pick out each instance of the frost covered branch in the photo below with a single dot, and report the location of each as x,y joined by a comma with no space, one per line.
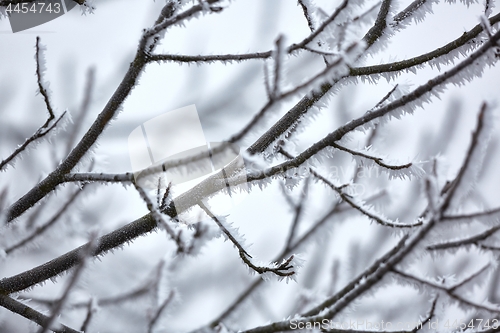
159,311
449,291
363,210
31,314
5,3
479,215
476,240
437,55
377,160
404,247
356,281
283,270
334,54
315,33
99,177
51,121
209,58
295,245
156,214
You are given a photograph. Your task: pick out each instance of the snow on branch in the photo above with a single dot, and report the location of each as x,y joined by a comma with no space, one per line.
305,5
108,113
224,58
444,55
282,270
464,71
321,27
380,25
42,85
394,171
58,306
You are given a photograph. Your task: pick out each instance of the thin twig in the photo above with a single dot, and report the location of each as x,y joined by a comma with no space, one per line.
351,285
377,160
466,241
91,309
448,291
321,27
47,126
159,219
283,269
471,216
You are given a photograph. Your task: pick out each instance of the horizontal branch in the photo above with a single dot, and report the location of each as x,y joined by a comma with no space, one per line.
449,291
99,177
451,218
209,58
377,160
466,241
422,59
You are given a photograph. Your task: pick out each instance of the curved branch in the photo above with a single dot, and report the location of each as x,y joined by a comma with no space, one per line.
377,160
